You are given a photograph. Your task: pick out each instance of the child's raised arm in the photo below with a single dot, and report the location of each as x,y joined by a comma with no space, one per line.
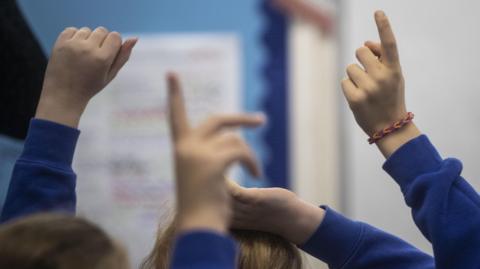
82,64
322,232
445,207
202,157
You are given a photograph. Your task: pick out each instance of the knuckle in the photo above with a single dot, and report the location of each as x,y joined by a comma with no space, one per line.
354,102
100,58
350,68
235,139
116,36
86,52
369,96
179,150
63,47
85,29
358,100
371,86
102,29
68,29
360,51
396,74
183,149
78,48
214,120
383,78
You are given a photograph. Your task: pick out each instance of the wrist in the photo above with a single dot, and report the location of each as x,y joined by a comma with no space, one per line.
305,221
391,143
207,219
60,110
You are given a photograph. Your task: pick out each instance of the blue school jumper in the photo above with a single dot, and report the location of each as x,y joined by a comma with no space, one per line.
444,206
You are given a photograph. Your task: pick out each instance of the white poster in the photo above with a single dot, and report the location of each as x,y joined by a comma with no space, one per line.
123,158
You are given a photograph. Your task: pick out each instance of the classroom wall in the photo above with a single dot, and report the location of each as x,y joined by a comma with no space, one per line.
438,43
314,121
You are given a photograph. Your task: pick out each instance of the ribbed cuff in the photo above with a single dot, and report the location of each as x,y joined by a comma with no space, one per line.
413,159
50,142
204,248
335,240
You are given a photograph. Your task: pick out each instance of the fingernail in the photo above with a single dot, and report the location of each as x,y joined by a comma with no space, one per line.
380,13
170,75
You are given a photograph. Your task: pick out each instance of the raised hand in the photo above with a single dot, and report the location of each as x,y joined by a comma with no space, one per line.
375,91
202,157
274,210
83,62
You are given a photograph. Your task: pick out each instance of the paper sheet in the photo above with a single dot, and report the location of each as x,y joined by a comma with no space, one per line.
123,158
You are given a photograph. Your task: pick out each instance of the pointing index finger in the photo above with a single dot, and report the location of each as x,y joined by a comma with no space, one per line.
389,44
177,111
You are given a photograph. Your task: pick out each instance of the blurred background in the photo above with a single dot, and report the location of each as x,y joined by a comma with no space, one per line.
250,55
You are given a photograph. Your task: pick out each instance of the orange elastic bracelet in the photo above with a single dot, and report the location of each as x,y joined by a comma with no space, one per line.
391,129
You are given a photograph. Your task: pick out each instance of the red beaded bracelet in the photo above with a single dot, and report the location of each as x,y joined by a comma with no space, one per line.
391,129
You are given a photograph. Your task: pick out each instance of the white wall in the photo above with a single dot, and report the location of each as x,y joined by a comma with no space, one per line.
313,116
314,132
439,47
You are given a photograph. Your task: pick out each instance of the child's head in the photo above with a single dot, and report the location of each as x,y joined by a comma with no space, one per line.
50,241
257,250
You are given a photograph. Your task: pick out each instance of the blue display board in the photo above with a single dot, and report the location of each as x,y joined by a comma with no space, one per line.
262,30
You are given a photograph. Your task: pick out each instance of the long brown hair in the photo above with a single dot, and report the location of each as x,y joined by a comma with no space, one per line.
258,250
51,241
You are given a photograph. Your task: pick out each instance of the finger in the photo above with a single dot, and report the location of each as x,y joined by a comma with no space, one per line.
241,209
217,123
228,140
98,36
241,221
349,88
243,154
122,57
389,44
358,76
232,186
67,34
177,111
235,190
369,61
375,47
111,47
83,33
242,196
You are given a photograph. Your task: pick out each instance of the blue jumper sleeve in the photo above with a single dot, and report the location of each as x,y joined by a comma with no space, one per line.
444,206
43,179
346,244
